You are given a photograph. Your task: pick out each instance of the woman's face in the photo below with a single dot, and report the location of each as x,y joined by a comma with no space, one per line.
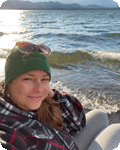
29,89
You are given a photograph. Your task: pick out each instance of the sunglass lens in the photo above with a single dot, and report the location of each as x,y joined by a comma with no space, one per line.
46,50
25,47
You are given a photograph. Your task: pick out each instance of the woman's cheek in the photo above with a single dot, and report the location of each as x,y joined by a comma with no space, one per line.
46,89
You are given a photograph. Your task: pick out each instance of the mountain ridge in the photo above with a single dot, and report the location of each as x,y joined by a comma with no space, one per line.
27,5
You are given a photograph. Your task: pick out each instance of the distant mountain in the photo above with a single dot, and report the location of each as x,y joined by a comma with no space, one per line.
16,4
93,6
9,4
27,5
57,5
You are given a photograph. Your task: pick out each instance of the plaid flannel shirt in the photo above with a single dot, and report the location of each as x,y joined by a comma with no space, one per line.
21,130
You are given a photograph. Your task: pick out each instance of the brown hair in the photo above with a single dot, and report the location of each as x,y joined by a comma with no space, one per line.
48,112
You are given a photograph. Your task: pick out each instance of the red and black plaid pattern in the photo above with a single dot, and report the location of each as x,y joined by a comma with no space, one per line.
72,112
21,130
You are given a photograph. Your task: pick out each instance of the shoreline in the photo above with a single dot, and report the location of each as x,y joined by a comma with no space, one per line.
113,117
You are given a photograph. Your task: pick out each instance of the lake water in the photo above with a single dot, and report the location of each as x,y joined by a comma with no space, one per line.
85,46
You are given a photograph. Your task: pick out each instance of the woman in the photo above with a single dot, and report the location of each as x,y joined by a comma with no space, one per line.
35,117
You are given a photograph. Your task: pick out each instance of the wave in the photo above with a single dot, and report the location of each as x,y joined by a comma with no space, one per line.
91,27
97,31
90,37
45,22
3,53
13,32
67,60
73,37
112,34
72,60
47,35
106,55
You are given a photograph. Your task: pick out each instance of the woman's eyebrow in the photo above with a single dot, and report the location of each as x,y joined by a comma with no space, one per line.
34,75
30,74
45,76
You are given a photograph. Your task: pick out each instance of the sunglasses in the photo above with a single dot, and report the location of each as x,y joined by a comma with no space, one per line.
27,48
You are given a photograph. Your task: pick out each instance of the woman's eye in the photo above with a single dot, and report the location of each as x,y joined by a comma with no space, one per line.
46,79
28,79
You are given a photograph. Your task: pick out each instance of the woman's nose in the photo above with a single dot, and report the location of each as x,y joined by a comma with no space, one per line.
38,87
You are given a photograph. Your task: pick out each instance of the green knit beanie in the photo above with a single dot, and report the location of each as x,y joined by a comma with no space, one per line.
18,63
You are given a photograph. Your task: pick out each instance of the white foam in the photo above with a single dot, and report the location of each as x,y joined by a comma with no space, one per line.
2,65
3,51
104,55
88,103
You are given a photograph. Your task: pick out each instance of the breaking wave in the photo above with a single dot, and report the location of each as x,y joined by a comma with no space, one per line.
61,60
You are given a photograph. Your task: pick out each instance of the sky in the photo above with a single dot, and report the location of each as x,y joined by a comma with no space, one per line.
84,2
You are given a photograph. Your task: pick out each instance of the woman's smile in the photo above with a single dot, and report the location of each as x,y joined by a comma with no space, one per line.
35,97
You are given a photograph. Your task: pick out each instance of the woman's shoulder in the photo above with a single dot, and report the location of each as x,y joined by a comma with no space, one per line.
65,97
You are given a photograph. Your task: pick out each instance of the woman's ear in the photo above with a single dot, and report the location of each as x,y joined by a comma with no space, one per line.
7,90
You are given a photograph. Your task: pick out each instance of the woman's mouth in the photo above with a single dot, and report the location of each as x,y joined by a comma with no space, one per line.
35,97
